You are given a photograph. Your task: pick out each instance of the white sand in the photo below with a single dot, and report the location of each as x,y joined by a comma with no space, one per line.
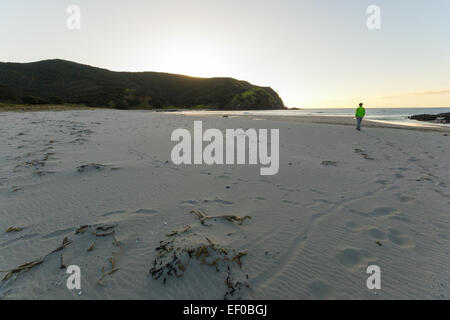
314,227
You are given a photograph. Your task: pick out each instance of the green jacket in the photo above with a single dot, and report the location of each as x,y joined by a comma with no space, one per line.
360,112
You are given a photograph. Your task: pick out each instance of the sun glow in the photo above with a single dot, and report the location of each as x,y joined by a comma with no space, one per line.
193,57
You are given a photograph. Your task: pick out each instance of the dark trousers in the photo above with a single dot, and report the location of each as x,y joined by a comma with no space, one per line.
359,120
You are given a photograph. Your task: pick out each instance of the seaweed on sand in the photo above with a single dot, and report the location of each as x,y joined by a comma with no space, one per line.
82,229
23,268
62,265
202,217
112,261
177,232
100,281
233,287
181,248
86,167
30,265
14,229
237,258
92,246
65,243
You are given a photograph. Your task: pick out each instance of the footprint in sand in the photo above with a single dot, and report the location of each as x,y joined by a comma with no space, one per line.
188,203
285,188
114,213
225,175
400,239
382,182
393,235
319,289
259,198
444,236
383,212
292,203
224,202
91,167
405,198
330,163
400,217
58,233
352,225
363,154
352,257
377,234
146,211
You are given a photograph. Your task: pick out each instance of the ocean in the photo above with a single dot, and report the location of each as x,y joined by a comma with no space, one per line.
387,115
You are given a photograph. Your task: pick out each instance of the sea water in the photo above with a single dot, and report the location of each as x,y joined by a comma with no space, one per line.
385,115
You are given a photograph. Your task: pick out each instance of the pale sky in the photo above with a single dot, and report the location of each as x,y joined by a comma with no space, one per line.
314,53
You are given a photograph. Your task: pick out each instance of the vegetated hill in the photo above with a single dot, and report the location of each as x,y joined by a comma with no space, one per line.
59,81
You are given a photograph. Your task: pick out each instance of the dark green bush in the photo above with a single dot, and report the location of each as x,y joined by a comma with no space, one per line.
34,100
6,94
58,81
56,100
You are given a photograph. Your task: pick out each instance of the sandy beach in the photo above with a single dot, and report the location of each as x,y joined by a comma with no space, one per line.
97,189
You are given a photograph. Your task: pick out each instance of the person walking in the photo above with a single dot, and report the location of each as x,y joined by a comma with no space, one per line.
360,114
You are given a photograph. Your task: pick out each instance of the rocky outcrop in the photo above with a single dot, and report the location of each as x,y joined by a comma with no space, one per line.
440,118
